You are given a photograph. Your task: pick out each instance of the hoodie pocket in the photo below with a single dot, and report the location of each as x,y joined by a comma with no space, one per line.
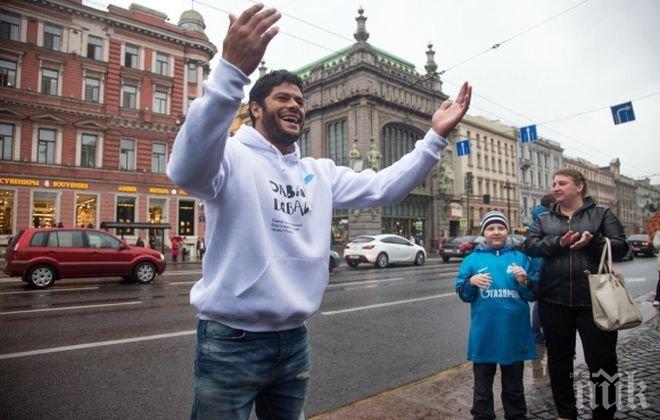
288,289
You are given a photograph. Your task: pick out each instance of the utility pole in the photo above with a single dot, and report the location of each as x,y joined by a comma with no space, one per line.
469,184
508,187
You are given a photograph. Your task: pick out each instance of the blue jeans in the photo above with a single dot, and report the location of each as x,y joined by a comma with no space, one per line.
235,369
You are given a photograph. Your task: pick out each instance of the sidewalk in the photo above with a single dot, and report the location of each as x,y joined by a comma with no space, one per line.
448,394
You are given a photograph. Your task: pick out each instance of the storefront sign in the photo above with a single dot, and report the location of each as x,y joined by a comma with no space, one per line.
19,182
71,185
156,190
127,188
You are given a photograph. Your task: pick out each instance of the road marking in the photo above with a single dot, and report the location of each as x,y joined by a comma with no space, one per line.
96,344
352,283
64,308
180,283
371,286
180,273
380,305
62,289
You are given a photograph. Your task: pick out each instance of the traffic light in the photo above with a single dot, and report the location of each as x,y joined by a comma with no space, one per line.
469,182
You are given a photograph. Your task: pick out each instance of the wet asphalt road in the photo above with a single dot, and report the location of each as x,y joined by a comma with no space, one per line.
96,348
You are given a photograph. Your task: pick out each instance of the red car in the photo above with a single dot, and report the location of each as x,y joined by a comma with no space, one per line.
41,256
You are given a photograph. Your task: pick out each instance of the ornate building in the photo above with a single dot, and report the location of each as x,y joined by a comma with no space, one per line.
538,160
601,185
90,103
647,200
625,206
366,108
493,165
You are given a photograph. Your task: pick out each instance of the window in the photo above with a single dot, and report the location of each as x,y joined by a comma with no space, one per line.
8,26
6,141
129,96
160,102
46,146
92,89
186,217
7,73
100,240
86,208
162,64
66,238
337,138
49,79
88,144
192,73
6,212
127,155
94,47
131,56
44,209
303,144
158,158
52,37
157,211
125,214
38,239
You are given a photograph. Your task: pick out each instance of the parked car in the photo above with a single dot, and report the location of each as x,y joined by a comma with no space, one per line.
334,262
641,245
42,256
460,246
383,250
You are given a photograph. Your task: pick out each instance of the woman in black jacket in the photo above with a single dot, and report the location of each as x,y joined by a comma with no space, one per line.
570,238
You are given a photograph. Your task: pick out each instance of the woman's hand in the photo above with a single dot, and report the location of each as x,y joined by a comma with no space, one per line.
569,238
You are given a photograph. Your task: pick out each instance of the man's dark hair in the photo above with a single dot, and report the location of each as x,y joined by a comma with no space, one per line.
548,200
265,85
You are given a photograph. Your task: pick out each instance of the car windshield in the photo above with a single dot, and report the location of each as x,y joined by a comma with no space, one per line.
362,239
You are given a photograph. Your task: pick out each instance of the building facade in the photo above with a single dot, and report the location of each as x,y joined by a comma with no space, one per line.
647,200
538,161
365,108
625,206
493,165
90,103
600,182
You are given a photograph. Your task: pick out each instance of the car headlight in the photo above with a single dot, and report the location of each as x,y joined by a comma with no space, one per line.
162,257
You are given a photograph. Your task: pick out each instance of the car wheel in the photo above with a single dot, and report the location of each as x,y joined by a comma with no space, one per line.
419,258
144,272
445,259
41,276
382,260
353,264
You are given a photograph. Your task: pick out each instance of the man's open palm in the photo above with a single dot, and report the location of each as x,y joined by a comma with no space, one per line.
248,36
450,113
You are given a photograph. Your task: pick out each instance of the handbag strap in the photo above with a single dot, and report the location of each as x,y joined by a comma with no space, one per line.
607,251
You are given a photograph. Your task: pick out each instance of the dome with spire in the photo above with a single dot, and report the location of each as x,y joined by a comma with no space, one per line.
192,20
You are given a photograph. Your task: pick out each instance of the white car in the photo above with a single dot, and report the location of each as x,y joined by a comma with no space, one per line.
383,250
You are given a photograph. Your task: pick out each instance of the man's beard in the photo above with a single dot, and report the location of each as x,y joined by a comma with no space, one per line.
275,131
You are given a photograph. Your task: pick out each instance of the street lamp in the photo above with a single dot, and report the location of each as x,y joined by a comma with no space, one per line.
508,187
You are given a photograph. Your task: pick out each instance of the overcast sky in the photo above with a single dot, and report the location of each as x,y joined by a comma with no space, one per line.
601,53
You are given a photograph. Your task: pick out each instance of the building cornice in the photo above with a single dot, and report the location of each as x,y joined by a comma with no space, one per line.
151,31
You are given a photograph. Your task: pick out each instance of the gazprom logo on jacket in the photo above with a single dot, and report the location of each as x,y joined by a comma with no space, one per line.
500,293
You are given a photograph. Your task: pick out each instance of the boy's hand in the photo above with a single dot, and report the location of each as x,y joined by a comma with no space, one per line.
519,273
480,280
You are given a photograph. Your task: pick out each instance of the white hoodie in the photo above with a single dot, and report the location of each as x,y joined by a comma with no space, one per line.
268,215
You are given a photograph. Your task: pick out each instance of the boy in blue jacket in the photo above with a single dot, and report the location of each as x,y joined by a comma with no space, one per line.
493,278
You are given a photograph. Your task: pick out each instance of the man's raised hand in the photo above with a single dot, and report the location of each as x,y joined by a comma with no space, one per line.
451,113
248,36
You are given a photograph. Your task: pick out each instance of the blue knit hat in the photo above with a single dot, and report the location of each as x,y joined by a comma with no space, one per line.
494,217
